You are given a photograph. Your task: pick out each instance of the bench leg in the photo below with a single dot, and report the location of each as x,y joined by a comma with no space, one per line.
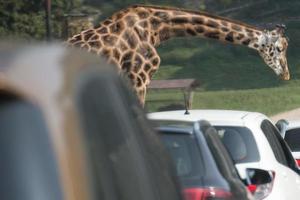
188,98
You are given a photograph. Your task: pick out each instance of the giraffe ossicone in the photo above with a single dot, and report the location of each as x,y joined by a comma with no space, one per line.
129,39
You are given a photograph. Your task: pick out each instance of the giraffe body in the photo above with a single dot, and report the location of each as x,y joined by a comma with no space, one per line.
129,38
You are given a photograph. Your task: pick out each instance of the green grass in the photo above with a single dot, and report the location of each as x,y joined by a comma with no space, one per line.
268,100
231,77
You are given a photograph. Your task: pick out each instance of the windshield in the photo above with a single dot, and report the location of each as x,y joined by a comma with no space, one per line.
185,154
292,137
239,142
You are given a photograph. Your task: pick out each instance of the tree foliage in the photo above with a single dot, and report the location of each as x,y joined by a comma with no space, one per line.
26,19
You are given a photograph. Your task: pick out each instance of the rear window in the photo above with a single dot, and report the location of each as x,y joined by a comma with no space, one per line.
185,154
240,143
292,137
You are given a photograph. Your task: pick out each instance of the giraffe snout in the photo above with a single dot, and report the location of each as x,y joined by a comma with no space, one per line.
285,76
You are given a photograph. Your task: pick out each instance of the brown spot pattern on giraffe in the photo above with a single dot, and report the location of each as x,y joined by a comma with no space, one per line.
155,23
130,20
249,30
191,32
94,37
131,39
142,34
224,23
246,42
88,35
224,29
107,22
143,14
162,15
117,27
126,61
119,15
164,34
76,38
155,61
152,40
138,61
236,27
102,30
199,29
109,40
179,20
212,34
95,44
143,76
146,51
212,24
144,24
105,52
116,54
123,46
139,81
197,20
229,37
240,36
147,67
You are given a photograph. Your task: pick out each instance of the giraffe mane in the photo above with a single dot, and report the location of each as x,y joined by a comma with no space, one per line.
197,12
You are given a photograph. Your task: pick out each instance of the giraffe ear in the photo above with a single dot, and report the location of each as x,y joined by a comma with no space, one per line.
280,28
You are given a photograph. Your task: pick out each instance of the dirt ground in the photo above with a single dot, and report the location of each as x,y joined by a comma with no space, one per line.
289,115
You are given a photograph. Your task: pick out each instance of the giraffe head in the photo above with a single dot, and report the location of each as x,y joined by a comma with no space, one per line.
272,48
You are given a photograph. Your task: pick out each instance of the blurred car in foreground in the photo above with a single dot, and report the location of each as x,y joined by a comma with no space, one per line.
290,131
71,129
253,142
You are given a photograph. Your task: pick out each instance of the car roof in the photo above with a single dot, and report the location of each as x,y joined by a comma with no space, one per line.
221,117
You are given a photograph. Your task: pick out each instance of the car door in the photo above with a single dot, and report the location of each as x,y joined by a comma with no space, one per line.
224,161
289,170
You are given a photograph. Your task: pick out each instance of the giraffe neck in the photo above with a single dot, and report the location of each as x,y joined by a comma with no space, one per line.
167,23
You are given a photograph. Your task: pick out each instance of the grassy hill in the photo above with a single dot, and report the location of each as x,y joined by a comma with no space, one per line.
231,77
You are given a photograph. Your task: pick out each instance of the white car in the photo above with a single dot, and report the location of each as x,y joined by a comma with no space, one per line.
290,131
253,142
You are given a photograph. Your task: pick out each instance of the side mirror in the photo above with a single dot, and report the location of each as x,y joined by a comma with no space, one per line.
259,182
282,126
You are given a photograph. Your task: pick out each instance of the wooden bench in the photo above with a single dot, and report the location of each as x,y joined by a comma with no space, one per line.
186,85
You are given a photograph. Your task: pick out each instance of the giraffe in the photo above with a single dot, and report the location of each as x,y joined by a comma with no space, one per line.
129,39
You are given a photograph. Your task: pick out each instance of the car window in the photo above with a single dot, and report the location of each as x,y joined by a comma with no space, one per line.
29,170
239,142
292,137
280,148
185,154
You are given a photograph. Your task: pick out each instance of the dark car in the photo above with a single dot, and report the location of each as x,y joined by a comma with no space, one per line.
203,164
204,169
